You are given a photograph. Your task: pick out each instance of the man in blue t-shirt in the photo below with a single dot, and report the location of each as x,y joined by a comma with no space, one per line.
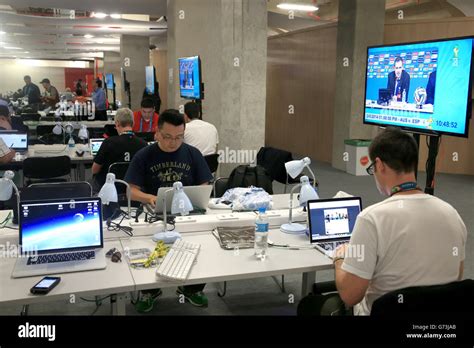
160,165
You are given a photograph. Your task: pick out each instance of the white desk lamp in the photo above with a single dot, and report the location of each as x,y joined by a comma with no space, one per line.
307,193
108,192
295,168
6,189
179,205
83,133
59,129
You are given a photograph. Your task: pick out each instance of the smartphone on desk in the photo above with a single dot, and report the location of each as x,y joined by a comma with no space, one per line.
45,285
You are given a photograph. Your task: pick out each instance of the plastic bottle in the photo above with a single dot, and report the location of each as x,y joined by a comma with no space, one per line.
404,95
71,144
261,234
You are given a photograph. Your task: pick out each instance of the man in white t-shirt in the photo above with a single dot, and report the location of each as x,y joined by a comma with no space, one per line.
409,239
200,134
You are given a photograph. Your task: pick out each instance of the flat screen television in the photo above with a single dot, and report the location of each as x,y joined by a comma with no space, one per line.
123,74
190,79
150,79
422,87
109,81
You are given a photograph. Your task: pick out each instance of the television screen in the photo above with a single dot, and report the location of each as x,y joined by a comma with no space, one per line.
124,79
190,78
424,87
109,81
150,79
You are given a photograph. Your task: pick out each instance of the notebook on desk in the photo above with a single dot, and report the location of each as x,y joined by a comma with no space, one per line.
331,222
15,140
60,236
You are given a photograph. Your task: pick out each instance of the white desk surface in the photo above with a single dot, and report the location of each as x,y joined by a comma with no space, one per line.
215,264
116,278
76,124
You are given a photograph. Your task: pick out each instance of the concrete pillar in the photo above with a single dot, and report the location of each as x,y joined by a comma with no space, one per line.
361,24
134,56
230,36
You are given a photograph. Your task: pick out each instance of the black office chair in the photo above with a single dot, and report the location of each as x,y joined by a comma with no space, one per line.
110,130
453,297
212,162
273,160
46,169
147,136
30,116
96,132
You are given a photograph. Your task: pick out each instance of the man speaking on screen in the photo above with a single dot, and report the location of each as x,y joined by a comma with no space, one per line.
399,82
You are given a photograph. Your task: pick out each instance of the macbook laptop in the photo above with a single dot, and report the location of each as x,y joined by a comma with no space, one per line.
331,222
198,195
60,236
95,145
17,141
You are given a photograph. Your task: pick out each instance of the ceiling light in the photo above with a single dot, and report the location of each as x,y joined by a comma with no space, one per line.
2,32
26,52
116,16
88,36
297,7
100,42
13,48
99,15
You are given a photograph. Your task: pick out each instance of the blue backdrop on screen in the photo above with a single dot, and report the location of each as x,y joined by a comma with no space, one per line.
190,78
109,81
150,79
318,219
451,60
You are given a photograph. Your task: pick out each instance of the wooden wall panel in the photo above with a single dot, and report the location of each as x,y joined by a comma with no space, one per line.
159,59
301,73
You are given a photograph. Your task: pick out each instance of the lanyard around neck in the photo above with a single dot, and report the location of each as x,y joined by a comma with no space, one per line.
141,123
406,186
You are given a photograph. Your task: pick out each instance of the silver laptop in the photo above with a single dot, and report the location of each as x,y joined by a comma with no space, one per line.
331,222
95,145
60,236
17,141
198,195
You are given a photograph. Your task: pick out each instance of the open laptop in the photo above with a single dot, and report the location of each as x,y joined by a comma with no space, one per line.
95,145
60,236
15,140
331,222
198,195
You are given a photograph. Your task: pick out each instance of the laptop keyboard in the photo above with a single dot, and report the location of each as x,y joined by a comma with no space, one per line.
54,258
331,245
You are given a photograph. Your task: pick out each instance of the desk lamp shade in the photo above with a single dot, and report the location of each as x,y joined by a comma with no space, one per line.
294,168
6,185
108,192
180,203
307,192
83,133
58,129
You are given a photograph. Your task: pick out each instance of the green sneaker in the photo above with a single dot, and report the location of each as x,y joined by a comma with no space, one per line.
146,300
197,299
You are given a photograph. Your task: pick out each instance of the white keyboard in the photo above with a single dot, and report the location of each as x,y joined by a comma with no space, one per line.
179,260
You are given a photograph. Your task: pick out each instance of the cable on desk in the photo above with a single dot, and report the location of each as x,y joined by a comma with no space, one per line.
114,226
4,223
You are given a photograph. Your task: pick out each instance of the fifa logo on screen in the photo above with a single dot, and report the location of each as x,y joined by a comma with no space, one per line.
455,58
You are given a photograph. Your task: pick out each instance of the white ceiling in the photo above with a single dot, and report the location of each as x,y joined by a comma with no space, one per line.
44,29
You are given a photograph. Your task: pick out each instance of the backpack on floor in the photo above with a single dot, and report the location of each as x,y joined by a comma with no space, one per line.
246,175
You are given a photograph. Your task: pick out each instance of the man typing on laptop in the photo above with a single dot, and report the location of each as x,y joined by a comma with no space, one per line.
160,165
407,240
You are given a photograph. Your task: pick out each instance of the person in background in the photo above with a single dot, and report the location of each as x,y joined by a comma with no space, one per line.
10,123
430,88
79,88
118,148
399,82
33,93
145,120
98,98
200,134
68,95
154,96
51,97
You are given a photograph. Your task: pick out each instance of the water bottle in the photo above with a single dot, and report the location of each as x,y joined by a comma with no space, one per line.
71,145
404,95
261,234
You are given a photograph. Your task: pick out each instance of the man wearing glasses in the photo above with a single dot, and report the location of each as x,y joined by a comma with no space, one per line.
160,165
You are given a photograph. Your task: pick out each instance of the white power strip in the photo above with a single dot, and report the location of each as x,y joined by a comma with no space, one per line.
227,217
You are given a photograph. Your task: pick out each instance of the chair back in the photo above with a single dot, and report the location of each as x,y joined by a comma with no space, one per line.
212,162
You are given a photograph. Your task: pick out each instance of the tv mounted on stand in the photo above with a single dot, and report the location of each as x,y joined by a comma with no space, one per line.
190,80
126,86
110,86
422,87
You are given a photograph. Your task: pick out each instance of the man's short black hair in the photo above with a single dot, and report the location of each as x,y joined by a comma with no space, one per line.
171,116
398,59
27,77
99,83
147,103
395,148
191,110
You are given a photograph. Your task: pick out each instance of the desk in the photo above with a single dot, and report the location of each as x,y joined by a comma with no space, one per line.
51,151
214,264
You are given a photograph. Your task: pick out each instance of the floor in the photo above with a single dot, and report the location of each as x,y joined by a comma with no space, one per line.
263,296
